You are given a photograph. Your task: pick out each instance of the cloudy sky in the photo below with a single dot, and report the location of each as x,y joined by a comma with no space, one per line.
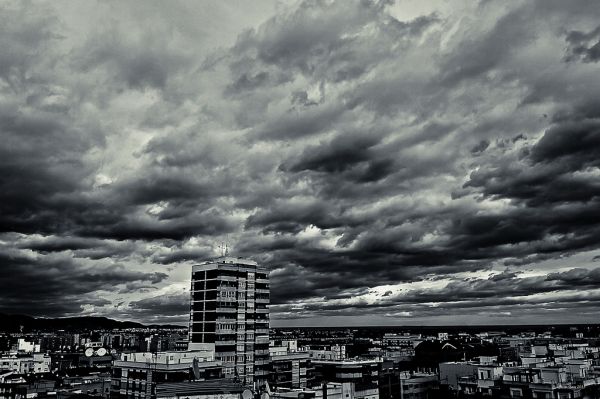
391,163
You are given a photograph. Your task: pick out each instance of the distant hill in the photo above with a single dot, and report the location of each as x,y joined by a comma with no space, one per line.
13,323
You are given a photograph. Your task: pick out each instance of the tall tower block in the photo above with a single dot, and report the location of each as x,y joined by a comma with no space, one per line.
230,312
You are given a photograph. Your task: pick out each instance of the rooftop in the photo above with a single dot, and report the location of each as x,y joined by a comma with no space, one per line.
232,260
220,386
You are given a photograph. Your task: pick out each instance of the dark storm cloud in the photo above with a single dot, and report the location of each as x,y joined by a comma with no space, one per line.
182,255
347,154
327,276
58,244
291,126
323,40
147,61
555,182
336,156
80,247
508,286
293,216
37,186
504,291
542,175
58,285
577,277
42,143
353,150
162,309
482,54
155,228
572,145
584,46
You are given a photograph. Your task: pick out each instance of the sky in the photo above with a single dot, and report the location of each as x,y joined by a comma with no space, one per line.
391,163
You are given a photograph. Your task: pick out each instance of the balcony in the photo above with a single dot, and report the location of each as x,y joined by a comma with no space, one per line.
226,310
225,343
225,319
226,331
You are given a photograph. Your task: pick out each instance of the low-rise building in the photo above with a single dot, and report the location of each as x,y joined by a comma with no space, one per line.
326,352
26,363
289,368
330,390
136,375
362,373
94,385
417,385
452,372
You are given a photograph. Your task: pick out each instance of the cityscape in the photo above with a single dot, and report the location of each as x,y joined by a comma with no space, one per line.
299,199
229,351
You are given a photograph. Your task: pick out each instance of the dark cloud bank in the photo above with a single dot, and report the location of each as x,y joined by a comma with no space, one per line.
442,167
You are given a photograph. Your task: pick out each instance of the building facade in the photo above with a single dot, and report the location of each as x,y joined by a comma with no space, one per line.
136,375
26,363
361,376
211,389
230,312
290,368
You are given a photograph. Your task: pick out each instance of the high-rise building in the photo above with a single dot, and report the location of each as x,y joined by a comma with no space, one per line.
230,312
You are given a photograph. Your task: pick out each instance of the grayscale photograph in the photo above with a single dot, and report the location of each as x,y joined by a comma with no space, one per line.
299,199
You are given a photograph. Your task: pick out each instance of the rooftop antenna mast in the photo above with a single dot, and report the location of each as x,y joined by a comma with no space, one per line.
224,249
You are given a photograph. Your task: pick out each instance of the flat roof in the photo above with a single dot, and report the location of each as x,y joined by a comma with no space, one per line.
231,259
219,386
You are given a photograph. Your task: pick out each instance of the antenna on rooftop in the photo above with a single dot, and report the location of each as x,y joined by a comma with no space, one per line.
224,247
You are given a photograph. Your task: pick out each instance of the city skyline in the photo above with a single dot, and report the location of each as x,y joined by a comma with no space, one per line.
390,163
